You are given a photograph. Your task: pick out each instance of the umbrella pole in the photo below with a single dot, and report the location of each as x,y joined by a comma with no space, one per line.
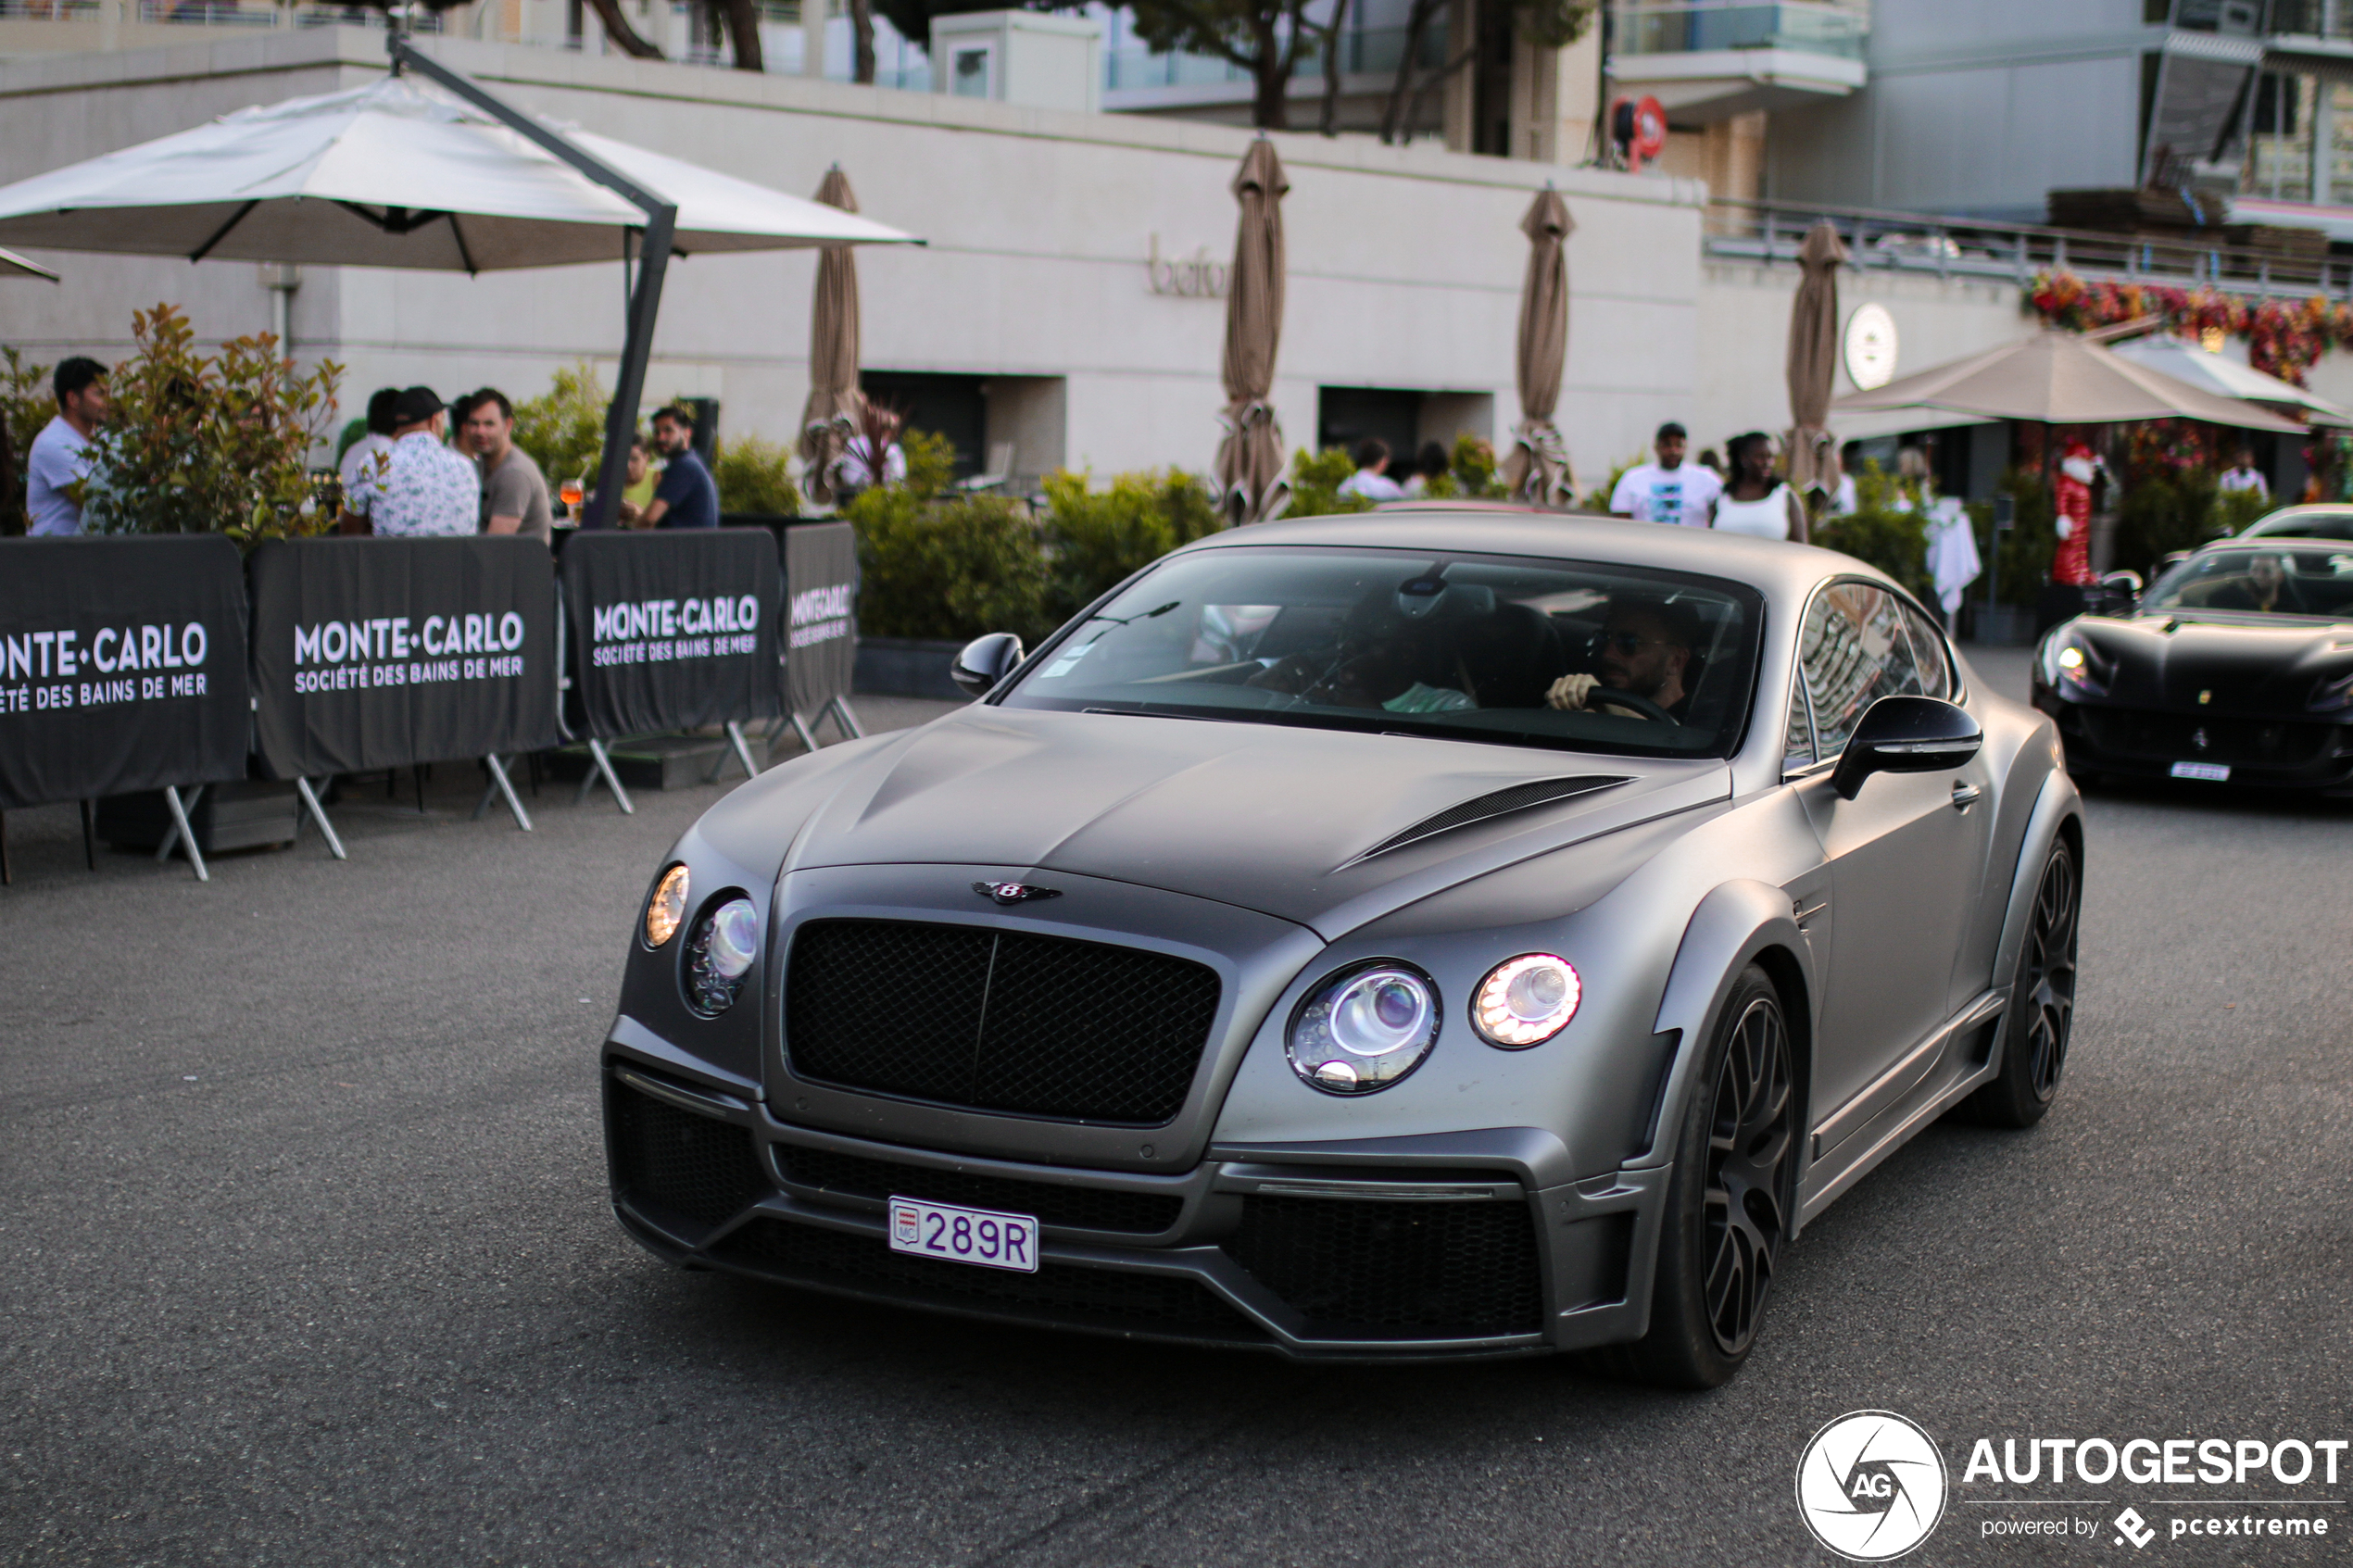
644,301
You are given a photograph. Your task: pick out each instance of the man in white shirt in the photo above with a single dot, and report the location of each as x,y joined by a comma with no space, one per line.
1669,490
1371,479
425,487
60,455
2244,475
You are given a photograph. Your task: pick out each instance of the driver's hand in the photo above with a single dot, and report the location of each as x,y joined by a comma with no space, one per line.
1570,692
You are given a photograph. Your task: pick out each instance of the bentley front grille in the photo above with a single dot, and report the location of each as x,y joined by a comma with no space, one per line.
1053,1203
997,1020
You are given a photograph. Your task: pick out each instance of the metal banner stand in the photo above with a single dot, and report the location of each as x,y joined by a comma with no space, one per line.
600,767
500,784
743,755
317,813
180,833
806,728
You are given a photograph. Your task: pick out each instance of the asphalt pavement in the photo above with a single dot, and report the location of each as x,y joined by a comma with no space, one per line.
305,1258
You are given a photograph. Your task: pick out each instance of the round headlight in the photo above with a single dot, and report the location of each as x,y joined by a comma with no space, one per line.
1525,1001
666,910
1364,1030
719,954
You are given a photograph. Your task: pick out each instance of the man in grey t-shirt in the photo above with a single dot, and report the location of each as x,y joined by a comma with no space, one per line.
514,493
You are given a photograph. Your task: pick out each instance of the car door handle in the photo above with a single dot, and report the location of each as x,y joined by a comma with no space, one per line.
1964,796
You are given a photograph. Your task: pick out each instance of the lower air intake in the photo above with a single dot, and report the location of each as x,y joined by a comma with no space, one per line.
1468,1268
676,1165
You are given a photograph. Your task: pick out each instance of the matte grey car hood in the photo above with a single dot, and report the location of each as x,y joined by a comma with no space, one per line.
1270,818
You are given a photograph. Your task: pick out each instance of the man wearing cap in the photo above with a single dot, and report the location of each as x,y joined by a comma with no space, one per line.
422,487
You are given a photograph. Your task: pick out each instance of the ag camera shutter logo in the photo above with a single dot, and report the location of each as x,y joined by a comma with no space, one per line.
1872,1485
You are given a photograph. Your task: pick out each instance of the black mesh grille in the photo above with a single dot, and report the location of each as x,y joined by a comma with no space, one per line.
678,1163
1099,1297
1496,803
1097,1209
2176,737
998,1020
1363,1263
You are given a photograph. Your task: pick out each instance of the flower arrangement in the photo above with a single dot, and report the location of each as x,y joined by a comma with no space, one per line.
2285,337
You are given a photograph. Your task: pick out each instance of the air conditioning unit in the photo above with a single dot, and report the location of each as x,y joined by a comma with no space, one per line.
1046,62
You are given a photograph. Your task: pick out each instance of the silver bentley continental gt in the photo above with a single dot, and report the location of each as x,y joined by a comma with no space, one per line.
1413,935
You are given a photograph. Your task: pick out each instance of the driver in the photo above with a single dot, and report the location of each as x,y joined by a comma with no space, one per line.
1645,651
2266,589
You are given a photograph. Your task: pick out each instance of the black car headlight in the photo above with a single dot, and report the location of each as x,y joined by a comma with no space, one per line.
719,954
1364,1029
2072,664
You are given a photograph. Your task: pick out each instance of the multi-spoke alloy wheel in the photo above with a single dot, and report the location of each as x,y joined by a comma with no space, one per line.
1748,1148
1720,1238
2042,1009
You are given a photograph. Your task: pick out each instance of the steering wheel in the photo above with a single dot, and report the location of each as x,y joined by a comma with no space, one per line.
1610,696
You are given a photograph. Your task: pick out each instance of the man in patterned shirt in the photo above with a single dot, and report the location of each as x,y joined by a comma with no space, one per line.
422,487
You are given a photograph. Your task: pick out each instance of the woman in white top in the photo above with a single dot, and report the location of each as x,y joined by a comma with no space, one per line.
1756,502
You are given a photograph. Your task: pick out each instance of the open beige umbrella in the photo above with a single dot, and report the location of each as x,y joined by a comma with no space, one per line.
1538,467
2057,378
1250,460
832,351
1813,360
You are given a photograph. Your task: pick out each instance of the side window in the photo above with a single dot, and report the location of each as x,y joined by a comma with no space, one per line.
1852,652
1928,654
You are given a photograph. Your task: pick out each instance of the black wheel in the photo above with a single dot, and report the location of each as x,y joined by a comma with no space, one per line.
2041,1010
1727,1205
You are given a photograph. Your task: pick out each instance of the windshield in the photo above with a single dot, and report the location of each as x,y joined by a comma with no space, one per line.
2274,582
1582,657
2304,525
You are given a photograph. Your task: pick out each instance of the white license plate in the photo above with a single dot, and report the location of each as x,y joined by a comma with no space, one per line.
2212,772
992,1241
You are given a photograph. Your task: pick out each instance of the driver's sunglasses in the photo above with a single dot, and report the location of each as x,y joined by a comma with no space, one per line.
1630,643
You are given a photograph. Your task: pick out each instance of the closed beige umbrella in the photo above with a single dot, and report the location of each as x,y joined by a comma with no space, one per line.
1813,360
1250,460
1537,469
833,404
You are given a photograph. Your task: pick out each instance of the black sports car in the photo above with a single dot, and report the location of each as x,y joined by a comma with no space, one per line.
2236,667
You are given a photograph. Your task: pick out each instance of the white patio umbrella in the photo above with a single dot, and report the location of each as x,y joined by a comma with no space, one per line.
398,173
439,174
2186,361
13,266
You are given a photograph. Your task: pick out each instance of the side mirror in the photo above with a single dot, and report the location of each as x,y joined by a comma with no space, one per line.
1906,734
2117,593
985,661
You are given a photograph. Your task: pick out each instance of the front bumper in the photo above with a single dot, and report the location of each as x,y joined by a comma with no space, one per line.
1445,1249
2261,752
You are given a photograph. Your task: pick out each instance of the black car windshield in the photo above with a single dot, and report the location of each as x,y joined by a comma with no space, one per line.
1574,655
2304,525
2280,579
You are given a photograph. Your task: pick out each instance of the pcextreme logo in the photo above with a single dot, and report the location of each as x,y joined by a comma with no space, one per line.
1872,1485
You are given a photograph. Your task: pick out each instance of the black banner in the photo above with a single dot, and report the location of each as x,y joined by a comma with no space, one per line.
383,653
821,613
122,666
672,629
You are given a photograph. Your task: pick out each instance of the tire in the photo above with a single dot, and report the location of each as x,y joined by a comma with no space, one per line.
2041,1016
1726,1203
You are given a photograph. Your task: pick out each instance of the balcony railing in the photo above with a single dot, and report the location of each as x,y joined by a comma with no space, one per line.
1375,50
1770,233
1685,27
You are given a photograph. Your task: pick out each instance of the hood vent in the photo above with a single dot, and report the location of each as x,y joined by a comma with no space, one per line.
1496,803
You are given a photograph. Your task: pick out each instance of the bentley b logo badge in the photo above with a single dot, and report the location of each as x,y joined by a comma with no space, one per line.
1014,892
